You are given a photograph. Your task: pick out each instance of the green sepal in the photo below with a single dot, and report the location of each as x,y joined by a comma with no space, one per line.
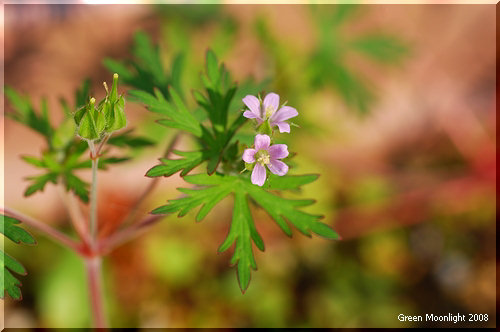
115,115
265,128
92,122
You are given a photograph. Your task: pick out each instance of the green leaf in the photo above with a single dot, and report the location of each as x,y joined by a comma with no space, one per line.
290,182
176,112
79,187
212,189
82,94
9,265
146,71
34,161
212,67
39,183
148,56
242,232
11,284
169,167
15,233
381,48
25,113
64,134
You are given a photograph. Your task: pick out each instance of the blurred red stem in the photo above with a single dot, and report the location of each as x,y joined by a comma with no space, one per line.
109,244
152,185
52,233
93,268
75,215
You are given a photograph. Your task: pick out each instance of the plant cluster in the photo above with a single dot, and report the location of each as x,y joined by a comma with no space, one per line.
225,166
224,159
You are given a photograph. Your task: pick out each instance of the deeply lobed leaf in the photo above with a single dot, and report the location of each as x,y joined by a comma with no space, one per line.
8,265
212,189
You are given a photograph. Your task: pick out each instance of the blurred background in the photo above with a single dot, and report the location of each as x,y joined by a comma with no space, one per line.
397,114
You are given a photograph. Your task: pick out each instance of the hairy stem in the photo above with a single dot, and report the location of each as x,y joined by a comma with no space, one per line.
93,263
52,233
93,268
93,196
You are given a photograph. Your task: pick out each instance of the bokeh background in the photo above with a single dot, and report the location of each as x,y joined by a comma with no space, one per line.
397,114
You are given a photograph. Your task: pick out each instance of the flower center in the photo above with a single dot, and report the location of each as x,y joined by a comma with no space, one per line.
262,157
268,112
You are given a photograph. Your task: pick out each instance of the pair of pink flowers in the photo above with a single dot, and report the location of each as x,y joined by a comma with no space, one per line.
264,154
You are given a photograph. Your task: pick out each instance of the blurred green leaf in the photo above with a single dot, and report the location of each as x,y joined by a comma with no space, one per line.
126,139
146,71
25,113
9,265
39,183
381,48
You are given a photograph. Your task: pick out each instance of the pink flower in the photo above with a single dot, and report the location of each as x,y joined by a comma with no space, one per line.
265,154
269,110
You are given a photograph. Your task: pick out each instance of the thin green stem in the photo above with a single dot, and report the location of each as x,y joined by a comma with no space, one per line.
93,197
93,203
93,263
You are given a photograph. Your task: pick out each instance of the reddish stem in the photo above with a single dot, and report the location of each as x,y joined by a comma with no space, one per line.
93,268
52,233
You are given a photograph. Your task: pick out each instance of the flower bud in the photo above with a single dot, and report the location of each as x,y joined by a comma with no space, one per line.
90,122
108,117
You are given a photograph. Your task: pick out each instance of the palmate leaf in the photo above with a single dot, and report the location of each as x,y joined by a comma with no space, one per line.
215,138
9,265
212,189
176,113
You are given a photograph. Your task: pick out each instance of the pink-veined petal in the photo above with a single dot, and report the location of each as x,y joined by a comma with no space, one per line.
272,101
250,115
262,142
253,104
259,175
278,167
284,113
283,127
249,156
278,151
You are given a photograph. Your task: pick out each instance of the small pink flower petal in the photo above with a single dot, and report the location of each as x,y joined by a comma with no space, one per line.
262,142
249,155
250,115
258,175
278,167
283,127
272,101
278,151
284,113
253,104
